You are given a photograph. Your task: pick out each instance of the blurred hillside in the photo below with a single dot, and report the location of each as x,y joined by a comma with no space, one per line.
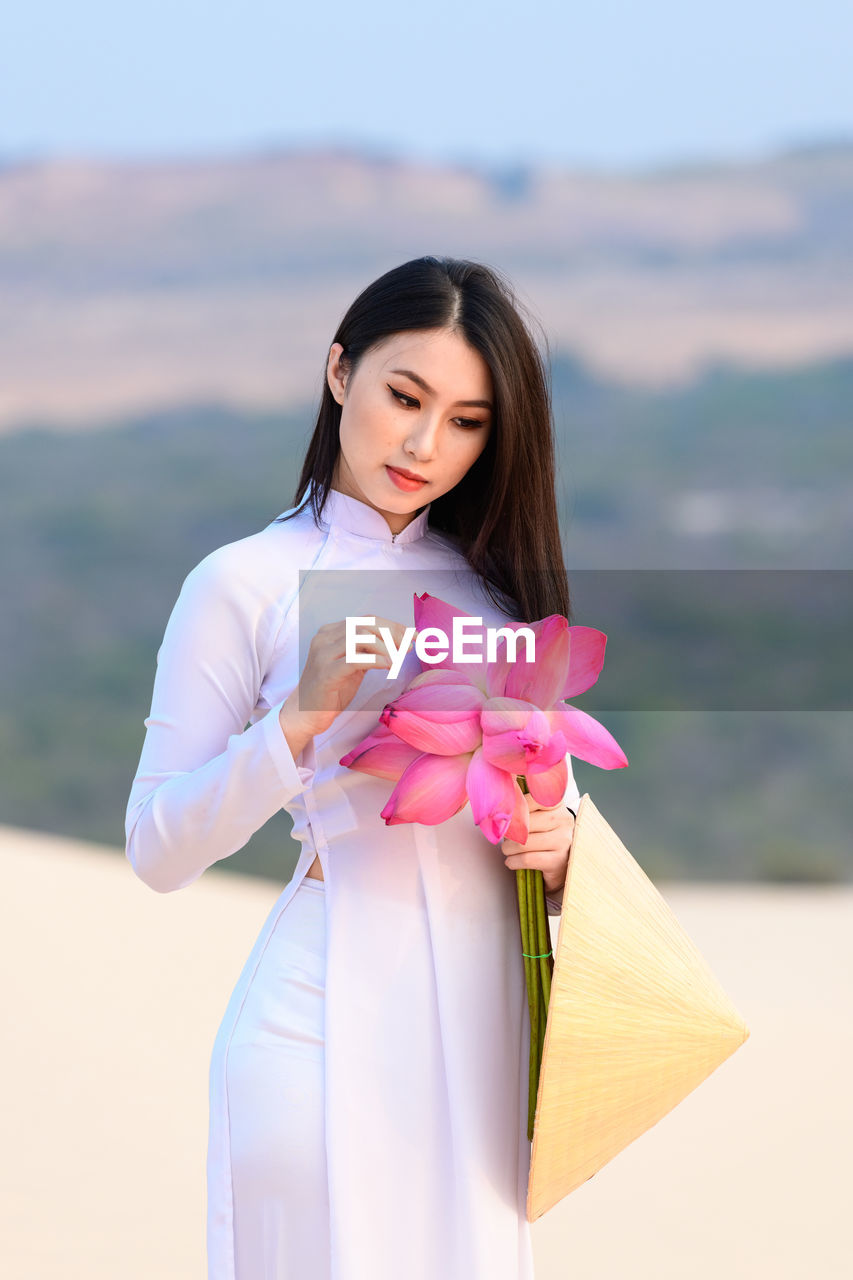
98,530
133,287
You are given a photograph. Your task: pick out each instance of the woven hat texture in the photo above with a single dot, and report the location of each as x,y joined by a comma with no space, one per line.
636,1018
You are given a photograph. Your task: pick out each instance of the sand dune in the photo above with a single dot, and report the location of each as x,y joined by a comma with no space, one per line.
115,993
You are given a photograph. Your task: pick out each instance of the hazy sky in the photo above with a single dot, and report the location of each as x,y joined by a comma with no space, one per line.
605,83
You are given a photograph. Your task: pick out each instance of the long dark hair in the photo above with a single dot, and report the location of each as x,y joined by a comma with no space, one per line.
502,515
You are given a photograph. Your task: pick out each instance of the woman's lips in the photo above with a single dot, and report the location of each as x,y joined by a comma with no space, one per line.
403,482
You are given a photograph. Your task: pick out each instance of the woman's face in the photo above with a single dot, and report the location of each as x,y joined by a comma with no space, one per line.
421,400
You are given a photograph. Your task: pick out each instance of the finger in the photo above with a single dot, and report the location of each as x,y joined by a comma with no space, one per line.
534,839
548,820
549,817
537,842
396,628
517,862
557,833
534,862
335,633
535,806
373,642
368,643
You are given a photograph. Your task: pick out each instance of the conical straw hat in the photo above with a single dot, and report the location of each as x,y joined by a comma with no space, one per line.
636,1019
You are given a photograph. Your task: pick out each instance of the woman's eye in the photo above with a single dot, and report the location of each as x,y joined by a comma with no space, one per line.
409,400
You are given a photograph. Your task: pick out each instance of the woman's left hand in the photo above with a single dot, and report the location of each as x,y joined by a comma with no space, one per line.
549,843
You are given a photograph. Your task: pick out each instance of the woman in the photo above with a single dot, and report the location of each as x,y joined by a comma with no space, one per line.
368,1083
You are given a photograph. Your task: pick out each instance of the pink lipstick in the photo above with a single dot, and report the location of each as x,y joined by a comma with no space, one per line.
404,482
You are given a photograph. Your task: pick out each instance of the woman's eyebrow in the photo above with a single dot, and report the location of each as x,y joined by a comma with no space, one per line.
416,377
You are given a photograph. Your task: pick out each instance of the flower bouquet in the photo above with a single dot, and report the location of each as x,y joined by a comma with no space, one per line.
485,732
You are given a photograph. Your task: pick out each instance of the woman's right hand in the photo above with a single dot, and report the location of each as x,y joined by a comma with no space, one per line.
328,682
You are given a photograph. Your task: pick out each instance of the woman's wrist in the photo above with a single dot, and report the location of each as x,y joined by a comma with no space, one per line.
296,730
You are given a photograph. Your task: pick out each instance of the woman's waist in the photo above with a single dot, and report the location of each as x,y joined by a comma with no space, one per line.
339,805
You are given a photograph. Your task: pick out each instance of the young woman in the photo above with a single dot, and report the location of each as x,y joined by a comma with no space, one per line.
368,1082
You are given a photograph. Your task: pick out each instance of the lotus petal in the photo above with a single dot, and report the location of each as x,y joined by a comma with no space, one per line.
519,828
431,790
447,738
442,701
505,715
586,658
438,675
586,738
494,796
381,754
517,733
429,611
548,786
542,680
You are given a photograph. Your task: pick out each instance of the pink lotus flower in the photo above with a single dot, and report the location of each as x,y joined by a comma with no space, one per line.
469,732
382,754
480,732
438,712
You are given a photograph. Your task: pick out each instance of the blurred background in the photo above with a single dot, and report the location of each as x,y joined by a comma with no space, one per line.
191,194
190,198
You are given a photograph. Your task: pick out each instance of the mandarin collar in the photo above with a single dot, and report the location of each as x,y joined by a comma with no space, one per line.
341,511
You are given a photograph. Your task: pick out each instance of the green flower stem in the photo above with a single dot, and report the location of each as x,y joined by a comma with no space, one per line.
536,892
530,978
546,962
543,1020
536,1006
536,941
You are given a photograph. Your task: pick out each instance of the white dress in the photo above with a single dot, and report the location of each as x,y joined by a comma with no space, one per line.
421,1071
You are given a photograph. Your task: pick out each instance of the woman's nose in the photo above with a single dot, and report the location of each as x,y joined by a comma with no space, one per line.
422,441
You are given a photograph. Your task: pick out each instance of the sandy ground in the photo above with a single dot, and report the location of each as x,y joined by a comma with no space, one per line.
114,993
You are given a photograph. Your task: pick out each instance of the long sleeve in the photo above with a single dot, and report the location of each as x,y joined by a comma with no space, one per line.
205,783
571,799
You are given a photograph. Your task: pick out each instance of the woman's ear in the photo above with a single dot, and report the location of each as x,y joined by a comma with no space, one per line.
336,372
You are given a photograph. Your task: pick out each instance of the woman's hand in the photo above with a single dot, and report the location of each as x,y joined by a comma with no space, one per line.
328,682
548,846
